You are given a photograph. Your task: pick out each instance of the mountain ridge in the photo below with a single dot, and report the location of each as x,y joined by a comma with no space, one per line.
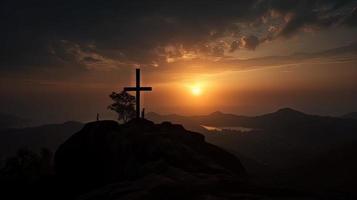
34,138
295,136
351,115
8,121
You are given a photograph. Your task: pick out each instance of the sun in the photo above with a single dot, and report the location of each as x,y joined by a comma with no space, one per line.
196,90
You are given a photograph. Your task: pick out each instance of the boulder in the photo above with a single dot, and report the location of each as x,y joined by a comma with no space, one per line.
105,152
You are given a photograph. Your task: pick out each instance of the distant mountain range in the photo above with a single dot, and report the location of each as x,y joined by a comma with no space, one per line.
8,121
280,139
286,132
282,118
279,147
34,138
352,115
286,147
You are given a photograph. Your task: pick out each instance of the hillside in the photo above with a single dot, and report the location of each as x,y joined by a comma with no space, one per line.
352,115
146,156
34,138
8,121
143,160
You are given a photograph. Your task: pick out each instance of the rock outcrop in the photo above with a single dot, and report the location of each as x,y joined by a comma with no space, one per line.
105,152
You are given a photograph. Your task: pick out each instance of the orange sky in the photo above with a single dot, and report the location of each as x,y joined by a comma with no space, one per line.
319,87
244,60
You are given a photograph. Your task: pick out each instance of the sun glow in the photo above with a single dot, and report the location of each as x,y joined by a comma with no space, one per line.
196,90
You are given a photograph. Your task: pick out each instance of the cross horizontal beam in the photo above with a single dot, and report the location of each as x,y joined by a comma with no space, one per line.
138,89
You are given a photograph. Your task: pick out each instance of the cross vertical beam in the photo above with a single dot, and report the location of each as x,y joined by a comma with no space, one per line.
137,93
137,90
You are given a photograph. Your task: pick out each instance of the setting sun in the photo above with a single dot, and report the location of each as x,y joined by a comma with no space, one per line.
196,90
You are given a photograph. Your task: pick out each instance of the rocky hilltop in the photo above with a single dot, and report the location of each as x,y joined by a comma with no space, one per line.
105,152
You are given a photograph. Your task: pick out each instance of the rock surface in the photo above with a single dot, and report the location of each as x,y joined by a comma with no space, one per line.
105,152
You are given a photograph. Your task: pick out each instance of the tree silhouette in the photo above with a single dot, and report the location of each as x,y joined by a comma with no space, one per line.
123,105
26,166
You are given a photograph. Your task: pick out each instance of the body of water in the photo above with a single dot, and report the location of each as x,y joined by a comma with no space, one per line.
232,128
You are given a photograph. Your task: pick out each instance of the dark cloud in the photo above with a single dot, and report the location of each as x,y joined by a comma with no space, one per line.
343,54
251,42
83,34
313,14
245,42
351,20
234,46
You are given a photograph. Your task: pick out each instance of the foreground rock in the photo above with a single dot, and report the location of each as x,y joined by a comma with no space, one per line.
105,152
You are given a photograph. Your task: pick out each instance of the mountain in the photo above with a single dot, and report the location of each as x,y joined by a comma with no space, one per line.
352,115
8,121
194,122
141,155
144,160
281,139
287,148
34,138
282,117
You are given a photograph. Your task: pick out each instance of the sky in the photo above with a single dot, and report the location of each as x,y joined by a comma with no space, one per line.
60,60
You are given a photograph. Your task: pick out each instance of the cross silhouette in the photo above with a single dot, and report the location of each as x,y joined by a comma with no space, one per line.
137,89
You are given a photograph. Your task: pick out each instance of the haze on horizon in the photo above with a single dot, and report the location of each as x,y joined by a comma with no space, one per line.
60,61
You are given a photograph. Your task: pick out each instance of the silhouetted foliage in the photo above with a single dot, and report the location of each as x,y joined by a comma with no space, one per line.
27,166
124,105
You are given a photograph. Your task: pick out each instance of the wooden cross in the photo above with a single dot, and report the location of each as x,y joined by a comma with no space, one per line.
137,89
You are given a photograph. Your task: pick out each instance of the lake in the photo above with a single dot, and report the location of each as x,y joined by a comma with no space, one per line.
232,128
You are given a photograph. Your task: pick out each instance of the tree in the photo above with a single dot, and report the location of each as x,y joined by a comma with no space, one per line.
27,167
124,105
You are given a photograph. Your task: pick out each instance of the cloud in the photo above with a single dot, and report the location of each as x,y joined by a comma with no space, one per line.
251,42
245,42
314,14
351,20
343,54
89,35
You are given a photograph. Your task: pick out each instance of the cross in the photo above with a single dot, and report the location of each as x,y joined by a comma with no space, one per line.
138,89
